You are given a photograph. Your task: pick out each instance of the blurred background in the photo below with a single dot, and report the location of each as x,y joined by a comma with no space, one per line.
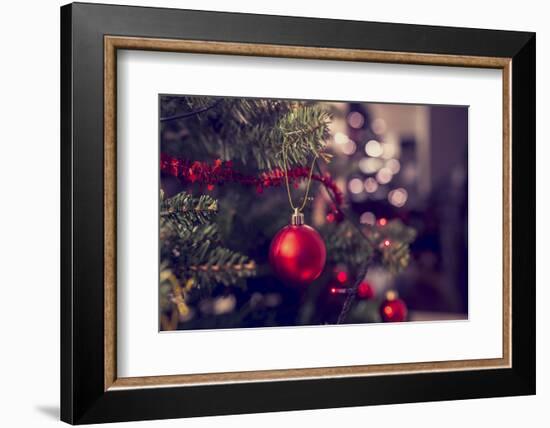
391,162
410,162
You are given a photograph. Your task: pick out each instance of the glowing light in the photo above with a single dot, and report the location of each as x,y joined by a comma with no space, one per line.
384,176
349,147
342,277
393,165
379,125
367,218
356,120
371,185
388,310
370,165
382,221
340,138
333,290
373,148
224,305
398,197
389,150
355,185
387,243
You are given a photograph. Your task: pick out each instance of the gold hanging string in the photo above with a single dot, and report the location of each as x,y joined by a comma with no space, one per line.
308,184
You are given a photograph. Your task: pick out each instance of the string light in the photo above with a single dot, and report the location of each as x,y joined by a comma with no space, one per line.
356,120
398,197
367,218
393,165
373,148
389,150
355,185
342,277
340,138
370,165
371,185
384,176
349,147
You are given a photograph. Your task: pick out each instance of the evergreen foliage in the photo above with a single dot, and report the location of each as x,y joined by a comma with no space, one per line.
248,131
191,247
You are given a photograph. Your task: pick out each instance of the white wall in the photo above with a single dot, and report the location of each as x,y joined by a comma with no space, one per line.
29,232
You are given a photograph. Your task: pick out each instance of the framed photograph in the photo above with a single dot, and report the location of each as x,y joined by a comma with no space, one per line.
265,213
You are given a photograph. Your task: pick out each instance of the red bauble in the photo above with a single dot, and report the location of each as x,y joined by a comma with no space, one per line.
393,309
297,254
365,291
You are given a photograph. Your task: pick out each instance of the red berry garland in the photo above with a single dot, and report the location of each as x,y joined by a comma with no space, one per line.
220,172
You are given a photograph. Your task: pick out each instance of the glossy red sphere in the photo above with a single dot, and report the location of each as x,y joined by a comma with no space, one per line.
297,254
393,310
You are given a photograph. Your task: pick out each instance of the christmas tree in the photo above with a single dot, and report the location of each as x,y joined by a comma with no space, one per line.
231,169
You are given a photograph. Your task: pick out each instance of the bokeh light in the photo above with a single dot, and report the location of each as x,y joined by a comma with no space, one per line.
398,197
349,147
356,120
371,185
393,165
340,138
367,218
373,148
370,165
355,185
384,176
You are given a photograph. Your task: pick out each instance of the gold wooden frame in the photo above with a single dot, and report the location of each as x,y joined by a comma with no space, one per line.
113,43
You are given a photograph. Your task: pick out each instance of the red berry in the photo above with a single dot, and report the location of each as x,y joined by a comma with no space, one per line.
365,291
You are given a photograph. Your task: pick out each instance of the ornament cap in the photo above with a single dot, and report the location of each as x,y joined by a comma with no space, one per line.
297,218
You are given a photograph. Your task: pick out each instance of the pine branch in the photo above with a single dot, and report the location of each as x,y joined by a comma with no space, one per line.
192,247
348,303
187,210
247,131
191,113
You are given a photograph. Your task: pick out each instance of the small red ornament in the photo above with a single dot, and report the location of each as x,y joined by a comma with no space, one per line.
297,253
335,215
342,276
393,309
365,291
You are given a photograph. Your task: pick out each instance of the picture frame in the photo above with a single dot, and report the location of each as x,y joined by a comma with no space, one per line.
91,390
